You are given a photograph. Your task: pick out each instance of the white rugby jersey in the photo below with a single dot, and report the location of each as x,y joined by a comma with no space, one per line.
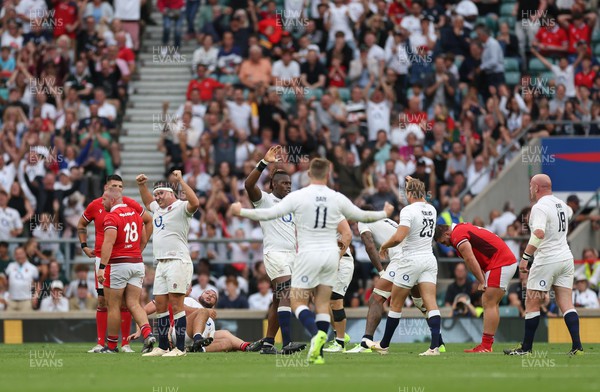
420,217
171,228
551,215
279,235
210,323
317,211
382,231
21,278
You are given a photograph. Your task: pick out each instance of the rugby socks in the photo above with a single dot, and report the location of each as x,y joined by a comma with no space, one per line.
363,342
198,337
429,324
284,315
487,341
307,319
435,323
112,342
269,341
323,320
180,330
244,345
146,330
532,320
341,342
393,319
163,330
572,320
125,326
101,325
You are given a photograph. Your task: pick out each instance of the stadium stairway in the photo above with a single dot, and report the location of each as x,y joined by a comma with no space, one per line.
161,78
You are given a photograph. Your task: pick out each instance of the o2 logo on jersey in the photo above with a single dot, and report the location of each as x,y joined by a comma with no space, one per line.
405,277
542,283
304,279
392,273
287,218
158,222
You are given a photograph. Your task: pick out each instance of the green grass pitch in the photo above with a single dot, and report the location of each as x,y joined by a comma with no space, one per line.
67,367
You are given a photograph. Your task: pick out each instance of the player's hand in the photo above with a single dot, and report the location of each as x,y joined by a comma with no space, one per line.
88,252
523,266
135,335
212,314
235,209
481,287
177,175
388,208
271,155
101,275
381,273
383,253
141,179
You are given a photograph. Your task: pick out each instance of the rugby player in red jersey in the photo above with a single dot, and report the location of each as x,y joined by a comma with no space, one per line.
121,269
95,212
493,264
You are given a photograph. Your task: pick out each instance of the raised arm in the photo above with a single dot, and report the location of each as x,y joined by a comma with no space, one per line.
285,207
147,197
254,192
190,195
352,212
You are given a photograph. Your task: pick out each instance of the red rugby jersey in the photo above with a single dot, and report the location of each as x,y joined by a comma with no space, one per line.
489,249
128,224
95,212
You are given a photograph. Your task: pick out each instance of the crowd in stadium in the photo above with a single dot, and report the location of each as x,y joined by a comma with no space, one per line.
433,89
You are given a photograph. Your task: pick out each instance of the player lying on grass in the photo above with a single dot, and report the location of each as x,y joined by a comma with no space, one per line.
493,264
201,335
373,236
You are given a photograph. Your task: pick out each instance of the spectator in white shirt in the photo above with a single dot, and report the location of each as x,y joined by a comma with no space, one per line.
82,277
263,298
375,55
285,71
500,224
22,276
583,296
56,302
10,220
4,297
207,54
203,179
240,111
105,109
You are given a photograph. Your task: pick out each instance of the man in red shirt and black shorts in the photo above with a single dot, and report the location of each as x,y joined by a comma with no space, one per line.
96,213
121,269
493,264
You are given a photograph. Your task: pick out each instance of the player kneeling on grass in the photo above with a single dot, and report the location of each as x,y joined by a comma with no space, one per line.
493,264
344,277
373,235
121,268
201,335
418,267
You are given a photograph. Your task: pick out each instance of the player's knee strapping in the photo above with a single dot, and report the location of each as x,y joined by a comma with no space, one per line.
100,292
336,296
384,294
339,315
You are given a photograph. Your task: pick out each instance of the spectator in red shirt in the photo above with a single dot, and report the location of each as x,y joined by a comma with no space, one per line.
66,19
172,16
205,85
398,9
578,30
587,75
551,40
125,53
337,72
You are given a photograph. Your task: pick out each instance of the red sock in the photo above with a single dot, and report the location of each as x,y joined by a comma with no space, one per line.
125,326
112,342
146,330
101,325
487,340
243,346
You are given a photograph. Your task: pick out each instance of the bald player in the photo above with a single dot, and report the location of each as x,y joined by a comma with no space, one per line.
553,265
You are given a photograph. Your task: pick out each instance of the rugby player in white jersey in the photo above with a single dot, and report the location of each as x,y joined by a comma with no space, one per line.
344,277
373,236
174,271
317,212
279,249
552,266
418,265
